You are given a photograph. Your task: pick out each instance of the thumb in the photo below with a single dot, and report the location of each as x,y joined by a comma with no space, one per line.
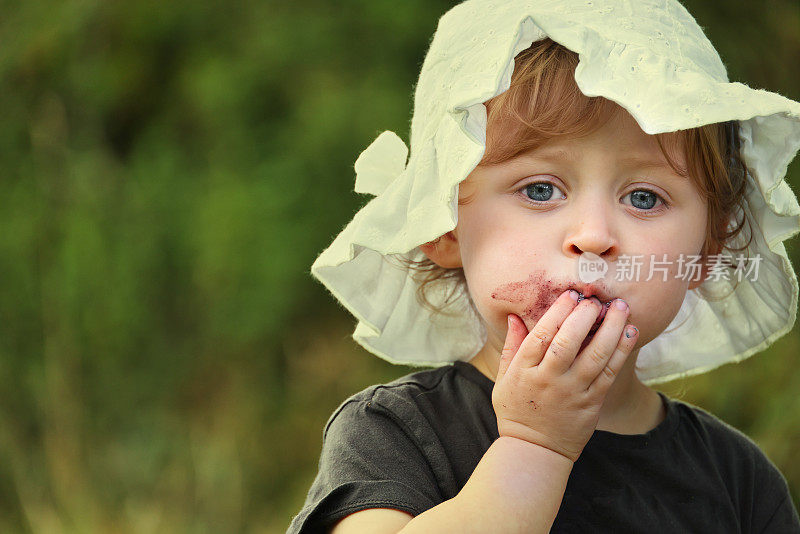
514,338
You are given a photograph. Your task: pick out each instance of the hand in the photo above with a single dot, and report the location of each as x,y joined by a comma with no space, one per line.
543,393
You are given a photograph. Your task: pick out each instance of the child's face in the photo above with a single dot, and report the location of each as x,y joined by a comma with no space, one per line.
518,255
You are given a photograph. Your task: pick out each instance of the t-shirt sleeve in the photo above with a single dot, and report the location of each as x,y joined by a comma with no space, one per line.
783,520
369,459
774,511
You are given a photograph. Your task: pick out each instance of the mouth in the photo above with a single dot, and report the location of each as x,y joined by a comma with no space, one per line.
586,290
534,296
600,317
605,299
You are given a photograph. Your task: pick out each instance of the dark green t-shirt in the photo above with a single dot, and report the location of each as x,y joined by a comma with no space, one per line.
413,443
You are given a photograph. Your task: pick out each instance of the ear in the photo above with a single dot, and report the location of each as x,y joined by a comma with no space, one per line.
444,251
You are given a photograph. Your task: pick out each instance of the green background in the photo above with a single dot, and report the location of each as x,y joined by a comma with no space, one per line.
170,170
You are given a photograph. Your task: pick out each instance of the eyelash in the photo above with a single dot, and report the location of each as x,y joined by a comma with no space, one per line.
664,204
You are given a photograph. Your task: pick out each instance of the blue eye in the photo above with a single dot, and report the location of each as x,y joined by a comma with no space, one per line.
645,200
645,197
540,191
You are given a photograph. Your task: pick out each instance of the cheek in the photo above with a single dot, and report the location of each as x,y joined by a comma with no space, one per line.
654,313
488,238
528,298
506,265
526,292
656,301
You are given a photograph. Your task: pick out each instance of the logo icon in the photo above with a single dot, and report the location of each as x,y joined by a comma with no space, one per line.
591,267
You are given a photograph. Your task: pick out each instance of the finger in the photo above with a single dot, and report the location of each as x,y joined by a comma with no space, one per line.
627,340
535,345
514,336
565,345
591,361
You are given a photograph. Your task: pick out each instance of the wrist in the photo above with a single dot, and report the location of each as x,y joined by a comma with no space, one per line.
526,447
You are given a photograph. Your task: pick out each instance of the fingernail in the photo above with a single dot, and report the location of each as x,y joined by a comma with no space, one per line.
631,331
621,304
573,295
509,322
596,300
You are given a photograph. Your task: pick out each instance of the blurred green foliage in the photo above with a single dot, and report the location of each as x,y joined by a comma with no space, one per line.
170,172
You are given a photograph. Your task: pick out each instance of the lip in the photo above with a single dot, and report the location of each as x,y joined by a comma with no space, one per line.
592,290
602,315
598,291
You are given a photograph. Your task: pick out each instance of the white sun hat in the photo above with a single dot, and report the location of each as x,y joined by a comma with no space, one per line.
648,56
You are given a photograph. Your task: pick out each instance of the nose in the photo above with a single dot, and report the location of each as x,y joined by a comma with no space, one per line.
591,231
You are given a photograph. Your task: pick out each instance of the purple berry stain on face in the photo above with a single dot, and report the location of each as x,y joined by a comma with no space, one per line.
536,294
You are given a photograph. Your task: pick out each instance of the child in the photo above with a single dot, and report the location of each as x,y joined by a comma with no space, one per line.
560,240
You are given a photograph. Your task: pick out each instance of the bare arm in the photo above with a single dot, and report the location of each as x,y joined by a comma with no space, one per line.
516,487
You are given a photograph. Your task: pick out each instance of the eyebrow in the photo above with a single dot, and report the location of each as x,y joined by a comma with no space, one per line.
637,162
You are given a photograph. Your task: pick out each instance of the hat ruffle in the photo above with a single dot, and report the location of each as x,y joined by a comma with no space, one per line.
470,60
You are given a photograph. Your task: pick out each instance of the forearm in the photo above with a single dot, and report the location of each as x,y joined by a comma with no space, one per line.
516,487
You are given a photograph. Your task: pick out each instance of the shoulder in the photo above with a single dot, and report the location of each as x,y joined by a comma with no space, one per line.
440,411
753,480
737,456
376,453
715,432
403,399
